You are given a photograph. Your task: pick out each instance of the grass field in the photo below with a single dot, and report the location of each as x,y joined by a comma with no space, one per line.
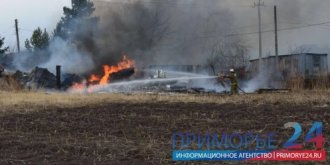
62,128
45,99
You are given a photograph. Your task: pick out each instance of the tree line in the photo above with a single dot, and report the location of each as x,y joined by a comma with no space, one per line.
65,28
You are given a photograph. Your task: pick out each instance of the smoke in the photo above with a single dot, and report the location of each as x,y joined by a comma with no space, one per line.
189,28
26,61
66,55
256,82
60,52
179,32
161,32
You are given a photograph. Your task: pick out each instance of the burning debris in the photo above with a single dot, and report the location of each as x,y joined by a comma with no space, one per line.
70,79
123,70
124,77
126,65
122,74
42,78
38,78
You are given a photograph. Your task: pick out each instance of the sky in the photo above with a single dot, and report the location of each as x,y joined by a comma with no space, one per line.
293,13
30,14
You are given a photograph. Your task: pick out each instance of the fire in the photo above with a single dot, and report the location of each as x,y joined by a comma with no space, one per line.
78,86
125,63
94,79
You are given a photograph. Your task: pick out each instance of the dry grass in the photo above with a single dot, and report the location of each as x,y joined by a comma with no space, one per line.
66,100
317,82
8,83
110,128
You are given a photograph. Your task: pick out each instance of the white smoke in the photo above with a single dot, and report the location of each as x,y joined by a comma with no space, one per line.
67,55
60,52
256,83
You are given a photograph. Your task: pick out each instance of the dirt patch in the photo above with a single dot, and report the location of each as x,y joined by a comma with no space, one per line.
140,133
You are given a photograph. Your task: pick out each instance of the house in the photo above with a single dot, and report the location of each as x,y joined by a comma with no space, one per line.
305,64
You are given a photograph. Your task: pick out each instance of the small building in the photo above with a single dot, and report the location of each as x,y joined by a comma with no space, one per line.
305,64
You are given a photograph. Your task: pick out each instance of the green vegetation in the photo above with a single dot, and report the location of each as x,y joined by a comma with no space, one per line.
5,49
74,18
38,41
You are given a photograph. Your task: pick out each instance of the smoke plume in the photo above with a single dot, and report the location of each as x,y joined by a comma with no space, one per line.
182,32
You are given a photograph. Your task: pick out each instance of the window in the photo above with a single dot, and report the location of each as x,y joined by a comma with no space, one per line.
316,64
316,61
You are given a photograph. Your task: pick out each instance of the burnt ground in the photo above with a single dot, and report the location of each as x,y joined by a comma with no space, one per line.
140,133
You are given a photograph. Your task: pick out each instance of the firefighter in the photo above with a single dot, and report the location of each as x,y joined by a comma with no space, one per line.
233,81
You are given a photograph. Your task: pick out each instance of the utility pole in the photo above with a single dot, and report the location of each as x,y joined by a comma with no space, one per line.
259,4
17,36
276,39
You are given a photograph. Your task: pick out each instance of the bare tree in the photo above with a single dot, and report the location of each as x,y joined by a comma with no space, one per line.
226,55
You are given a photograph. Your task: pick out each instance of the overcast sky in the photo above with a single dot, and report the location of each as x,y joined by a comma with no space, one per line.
292,13
30,15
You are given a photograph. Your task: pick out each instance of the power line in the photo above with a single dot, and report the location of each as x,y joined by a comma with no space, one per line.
266,31
245,27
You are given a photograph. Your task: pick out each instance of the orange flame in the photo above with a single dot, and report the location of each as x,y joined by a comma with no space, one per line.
125,63
93,78
78,86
